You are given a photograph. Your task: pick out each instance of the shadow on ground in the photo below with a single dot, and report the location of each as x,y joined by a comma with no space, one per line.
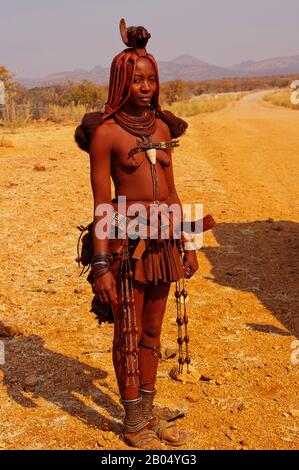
261,257
60,379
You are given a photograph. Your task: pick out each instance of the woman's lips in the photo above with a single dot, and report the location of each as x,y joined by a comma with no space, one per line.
145,98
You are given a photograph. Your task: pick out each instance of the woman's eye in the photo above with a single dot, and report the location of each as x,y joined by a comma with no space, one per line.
138,80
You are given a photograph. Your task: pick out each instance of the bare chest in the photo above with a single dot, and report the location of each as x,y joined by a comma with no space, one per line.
126,158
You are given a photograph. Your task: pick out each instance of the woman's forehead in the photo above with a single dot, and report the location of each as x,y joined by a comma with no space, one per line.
144,65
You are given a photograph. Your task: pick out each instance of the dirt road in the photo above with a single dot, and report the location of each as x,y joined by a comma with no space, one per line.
57,382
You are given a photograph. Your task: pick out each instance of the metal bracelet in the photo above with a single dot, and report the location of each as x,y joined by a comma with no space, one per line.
102,259
101,263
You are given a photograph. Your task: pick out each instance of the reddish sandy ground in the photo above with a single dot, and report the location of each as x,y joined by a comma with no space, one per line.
58,382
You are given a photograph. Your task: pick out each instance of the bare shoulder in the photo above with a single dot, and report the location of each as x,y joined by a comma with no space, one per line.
104,133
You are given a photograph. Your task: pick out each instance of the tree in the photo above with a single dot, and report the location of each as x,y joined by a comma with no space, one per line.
6,76
87,93
175,90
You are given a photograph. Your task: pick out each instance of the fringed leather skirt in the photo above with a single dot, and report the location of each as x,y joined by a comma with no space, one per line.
160,261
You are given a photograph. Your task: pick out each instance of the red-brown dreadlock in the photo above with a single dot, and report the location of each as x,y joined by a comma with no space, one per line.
121,79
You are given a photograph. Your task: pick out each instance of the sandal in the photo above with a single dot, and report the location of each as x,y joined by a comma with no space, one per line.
143,439
162,425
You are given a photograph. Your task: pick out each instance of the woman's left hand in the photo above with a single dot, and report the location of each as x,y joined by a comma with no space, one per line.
190,263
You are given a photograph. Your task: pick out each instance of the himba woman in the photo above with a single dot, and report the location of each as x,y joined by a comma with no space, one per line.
133,277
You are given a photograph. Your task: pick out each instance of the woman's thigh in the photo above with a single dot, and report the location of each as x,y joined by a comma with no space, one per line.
155,300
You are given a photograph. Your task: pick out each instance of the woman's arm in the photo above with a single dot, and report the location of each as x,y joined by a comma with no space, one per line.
100,157
100,165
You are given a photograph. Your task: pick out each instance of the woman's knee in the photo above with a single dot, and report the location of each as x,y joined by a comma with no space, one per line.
119,335
152,331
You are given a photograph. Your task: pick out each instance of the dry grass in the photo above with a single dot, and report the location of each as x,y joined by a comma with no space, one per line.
16,115
281,98
204,104
19,116
66,114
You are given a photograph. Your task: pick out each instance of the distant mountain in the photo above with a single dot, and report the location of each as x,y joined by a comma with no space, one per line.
98,74
184,67
187,67
286,65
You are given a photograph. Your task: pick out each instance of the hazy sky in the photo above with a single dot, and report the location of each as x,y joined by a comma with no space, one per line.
38,37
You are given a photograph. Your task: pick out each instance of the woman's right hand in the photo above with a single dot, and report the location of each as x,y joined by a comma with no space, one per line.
105,288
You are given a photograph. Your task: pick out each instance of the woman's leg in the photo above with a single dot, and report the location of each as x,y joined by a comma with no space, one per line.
155,299
130,392
136,432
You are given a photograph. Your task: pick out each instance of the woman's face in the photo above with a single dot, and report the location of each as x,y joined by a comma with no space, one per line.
144,84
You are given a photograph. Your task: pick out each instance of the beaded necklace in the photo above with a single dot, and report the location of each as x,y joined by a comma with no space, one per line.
137,125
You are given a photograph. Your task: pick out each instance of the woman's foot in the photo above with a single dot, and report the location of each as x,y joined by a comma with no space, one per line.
143,439
167,432
136,432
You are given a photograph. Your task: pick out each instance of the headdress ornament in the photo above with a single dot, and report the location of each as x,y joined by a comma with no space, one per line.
135,37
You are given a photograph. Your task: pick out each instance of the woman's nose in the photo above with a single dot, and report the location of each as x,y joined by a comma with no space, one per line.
145,86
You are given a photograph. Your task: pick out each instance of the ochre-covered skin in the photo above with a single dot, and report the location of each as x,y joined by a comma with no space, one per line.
131,175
